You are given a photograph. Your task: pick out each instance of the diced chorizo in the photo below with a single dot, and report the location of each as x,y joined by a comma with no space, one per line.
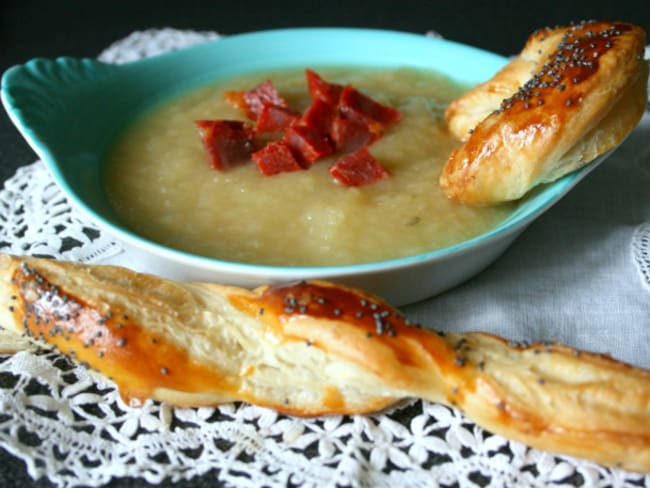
349,135
319,116
358,169
307,145
357,106
321,89
252,101
227,143
274,158
275,119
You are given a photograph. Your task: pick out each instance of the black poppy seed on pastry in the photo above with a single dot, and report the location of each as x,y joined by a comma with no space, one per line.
164,371
121,342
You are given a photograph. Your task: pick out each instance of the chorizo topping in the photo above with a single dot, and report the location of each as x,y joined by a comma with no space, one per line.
308,145
358,169
274,158
253,101
227,143
356,106
340,119
275,119
349,135
319,116
319,89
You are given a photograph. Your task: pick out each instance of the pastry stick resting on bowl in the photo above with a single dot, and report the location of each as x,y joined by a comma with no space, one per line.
572,94
316,348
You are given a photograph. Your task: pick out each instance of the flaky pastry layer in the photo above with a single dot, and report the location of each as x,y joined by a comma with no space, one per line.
572,94
318,348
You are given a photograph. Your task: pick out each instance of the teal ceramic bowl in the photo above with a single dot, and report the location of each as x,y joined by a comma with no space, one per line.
70,111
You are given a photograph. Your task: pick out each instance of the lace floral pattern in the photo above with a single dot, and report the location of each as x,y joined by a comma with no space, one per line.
641,252
36,219
71,426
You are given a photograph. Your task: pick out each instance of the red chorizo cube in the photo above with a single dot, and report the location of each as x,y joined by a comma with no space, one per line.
358,169
227,143
275,158
252,101
274,119
319,116
349,135
307,145
357,106
321,89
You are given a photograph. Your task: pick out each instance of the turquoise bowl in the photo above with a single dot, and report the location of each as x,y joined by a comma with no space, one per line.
70,111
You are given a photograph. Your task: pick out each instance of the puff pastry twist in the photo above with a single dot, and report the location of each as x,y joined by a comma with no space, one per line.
318,348
572,94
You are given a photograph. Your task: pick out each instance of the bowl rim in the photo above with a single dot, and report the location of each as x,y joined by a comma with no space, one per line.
513,223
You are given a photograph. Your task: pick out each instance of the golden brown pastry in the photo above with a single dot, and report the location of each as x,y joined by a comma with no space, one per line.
571,95
318,348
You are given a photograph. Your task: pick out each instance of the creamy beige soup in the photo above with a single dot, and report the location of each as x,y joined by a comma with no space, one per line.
161,185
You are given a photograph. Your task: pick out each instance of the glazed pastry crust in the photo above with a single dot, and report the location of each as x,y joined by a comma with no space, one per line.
572,94
318,348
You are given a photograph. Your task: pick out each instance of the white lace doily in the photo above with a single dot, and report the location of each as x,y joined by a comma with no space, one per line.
72,427
641,252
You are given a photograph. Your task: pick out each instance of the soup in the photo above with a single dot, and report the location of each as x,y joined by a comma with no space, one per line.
159,182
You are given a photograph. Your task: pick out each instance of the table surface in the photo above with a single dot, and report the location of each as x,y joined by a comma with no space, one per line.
31,29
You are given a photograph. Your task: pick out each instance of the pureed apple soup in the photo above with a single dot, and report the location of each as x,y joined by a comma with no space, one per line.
162,180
